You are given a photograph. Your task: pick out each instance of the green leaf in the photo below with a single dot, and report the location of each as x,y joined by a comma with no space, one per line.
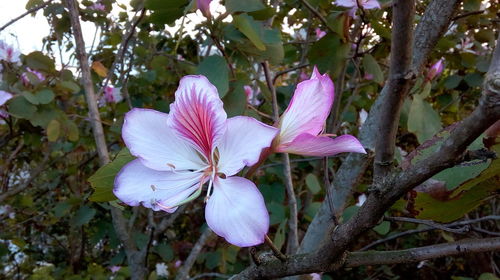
83,216
165,11
248,26
215,69
313,183
103,180
383,228
452,81
71,130
279,237
165,251
329,54
70,86
371,66
53,130
62,208
235,101
474,79
45,96
423,120
37,60
19,107
244,6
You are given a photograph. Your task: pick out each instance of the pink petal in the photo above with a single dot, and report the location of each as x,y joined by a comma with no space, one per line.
204,6
136,184
310,145
243,143
149,138
237,212
370,4
308,109
4,97
197,114
346,3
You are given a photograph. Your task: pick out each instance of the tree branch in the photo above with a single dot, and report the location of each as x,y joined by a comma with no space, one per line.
461,247
134,257
433,24
189,262
293,237
385,193
398,86
32,10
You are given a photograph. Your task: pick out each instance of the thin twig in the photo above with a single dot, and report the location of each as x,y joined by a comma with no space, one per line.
32,10
189,262
275,250
293,239
317,14
280,73
210,274
428,223
468,14
428,228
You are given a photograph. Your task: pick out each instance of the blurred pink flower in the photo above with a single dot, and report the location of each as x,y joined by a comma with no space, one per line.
252,95
177,153
204,7
8,53
435,70
368,76
355,4
112,94
4,97
115,268
315,276
177,263
319,33
38,75
303,76
98,7
303,121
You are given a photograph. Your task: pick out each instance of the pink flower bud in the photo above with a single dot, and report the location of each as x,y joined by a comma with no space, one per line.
435,70
204,7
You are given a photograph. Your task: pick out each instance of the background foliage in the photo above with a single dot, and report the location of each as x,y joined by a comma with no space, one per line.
58,225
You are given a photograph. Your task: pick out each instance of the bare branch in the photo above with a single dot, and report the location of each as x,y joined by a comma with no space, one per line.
461,247
398,85
32,10
293,237
189,262
433,24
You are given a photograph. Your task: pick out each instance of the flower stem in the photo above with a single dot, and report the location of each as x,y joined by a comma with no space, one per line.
275,250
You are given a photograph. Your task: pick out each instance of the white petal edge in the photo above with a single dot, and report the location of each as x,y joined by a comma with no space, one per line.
243,143
237,212
149,138
137,184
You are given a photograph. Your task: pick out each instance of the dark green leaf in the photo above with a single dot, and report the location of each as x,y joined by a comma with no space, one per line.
103,180
83,216
244,6
215,69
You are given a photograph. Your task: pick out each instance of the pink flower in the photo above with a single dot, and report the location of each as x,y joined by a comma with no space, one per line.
115,268
435,70
177,263
368,76
252,96
204,7
8,53
177,153
38,75
303,76
98,7
315,276
4,97
112,94
319,33
355,4
302,122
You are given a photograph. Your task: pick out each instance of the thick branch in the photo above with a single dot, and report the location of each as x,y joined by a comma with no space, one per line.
387,192
398,85
432,25
135,258
461,247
